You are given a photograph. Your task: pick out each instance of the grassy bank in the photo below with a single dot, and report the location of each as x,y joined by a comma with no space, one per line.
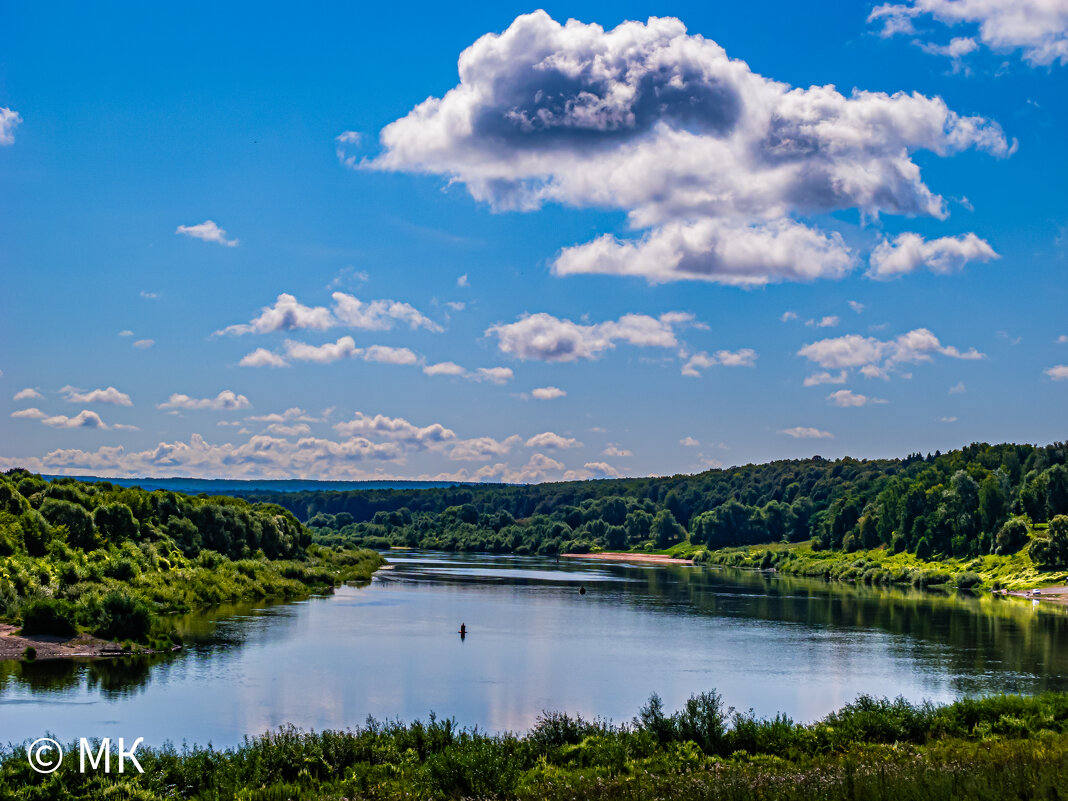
1002,747
879,566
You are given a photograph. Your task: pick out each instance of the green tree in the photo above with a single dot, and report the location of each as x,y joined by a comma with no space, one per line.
80,530
666,530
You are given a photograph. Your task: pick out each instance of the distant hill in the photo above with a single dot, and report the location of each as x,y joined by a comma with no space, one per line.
228,486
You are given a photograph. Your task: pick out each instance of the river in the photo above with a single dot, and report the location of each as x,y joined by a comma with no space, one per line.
535,642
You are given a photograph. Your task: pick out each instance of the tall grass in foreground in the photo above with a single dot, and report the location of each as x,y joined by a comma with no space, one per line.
1002,747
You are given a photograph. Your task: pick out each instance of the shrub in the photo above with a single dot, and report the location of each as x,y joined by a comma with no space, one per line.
119,616
968,579
48,616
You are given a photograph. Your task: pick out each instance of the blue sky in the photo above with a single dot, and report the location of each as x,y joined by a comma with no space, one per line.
605,251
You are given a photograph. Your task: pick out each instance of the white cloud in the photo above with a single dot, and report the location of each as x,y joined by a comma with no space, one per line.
27,394
877,358
479,449
856,306
261,357
289,430
592,470
225,400
143,344
547,393
207,231
744,357
494,375
29,414
444,368
538,468
150,295
830,321
292,413
806,432
109,395
126,333
689,442
84,419
957,388
383,354
344,348
845,397
716,250
546,338
1058,372
816,379
614,450
9,120
787,316
549,439
1038,28
462,280
349,137
1062,339
289,314
947,419
395,428
909,252
713,162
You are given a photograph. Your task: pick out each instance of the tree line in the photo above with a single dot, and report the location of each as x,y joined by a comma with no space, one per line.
973,501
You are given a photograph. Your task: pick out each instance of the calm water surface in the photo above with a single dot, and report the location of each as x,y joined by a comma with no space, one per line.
391,649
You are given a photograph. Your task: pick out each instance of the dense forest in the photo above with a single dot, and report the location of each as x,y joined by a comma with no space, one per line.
111,560
974,501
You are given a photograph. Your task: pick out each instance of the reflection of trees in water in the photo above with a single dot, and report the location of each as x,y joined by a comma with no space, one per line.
978,642
114,676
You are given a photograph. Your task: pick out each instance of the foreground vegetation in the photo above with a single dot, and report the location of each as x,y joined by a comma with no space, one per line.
1003,747
114,561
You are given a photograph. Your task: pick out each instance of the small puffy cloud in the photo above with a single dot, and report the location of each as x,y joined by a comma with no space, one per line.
109,395
787,316
715,165
143,344
720,251
1037,28
395,428
689,442
947,419
383,354
546,338
226,400
806,432
830,321
910,252
344,348
744,357
614,450
444,368
480,449
150,295
9,120
289,314
29,414
957,388
349,137
547,393
126,333
847,398
548,439
856,306
494,375
27,394
289,430
538,468
876,358
592,470
1062,339
207,231
1058,372
292,413
84,419
462,280
824,377
261,357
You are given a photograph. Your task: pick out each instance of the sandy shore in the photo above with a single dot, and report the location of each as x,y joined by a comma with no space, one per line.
641,558
1057,595
50,647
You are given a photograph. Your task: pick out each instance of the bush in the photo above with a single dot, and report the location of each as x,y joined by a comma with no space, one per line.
48,616
968,579
118,616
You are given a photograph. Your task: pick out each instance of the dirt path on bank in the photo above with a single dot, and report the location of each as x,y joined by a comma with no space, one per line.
639,558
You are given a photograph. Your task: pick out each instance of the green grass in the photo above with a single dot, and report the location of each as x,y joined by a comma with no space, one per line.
1002,747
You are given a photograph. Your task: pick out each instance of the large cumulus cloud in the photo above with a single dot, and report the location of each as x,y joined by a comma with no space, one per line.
694,146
